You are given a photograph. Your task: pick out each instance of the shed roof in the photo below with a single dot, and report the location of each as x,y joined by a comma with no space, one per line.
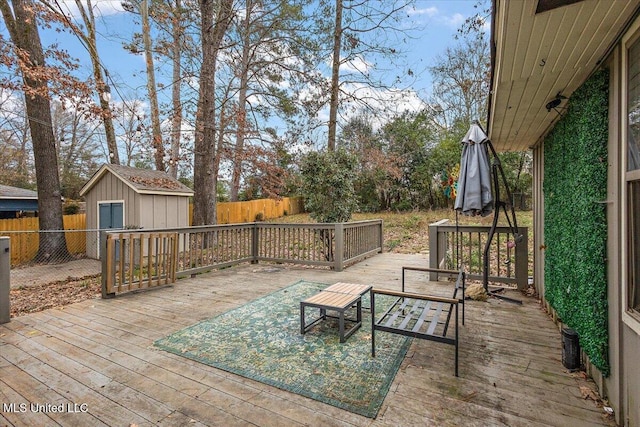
142,181
8,192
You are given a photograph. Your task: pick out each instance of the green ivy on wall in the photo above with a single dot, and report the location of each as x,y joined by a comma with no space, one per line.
575,223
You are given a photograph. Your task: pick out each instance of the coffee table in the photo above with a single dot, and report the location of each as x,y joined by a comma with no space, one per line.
338,297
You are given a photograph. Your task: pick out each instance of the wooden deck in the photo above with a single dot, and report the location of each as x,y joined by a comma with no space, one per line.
96,358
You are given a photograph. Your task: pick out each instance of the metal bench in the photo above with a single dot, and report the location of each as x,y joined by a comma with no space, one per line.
420,316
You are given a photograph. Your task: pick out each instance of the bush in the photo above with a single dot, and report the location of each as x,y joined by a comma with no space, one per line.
328,185
71,208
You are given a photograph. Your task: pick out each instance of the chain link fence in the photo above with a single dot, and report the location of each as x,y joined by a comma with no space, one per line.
42,257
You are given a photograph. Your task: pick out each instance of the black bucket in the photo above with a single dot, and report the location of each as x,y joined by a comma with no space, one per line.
570,349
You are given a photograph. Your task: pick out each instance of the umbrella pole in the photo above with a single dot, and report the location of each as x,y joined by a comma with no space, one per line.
495,167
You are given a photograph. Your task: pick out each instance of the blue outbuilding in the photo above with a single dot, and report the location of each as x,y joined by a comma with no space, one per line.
16,201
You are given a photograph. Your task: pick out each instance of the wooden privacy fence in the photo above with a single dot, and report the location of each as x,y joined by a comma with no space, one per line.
25,236
255,210
136,260
451,246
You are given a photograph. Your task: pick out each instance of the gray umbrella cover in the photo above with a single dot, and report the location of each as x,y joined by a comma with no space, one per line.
474,195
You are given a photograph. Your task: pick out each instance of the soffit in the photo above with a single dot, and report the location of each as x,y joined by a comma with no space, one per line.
538,56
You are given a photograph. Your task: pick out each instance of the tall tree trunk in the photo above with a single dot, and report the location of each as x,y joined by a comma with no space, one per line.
216,17
335,78
156,134
102,86
176,118
241,117
24,33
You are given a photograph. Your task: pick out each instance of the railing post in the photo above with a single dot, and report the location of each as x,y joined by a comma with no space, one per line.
522,260
107,264
5,279
381,236
339,250
255,241
437,249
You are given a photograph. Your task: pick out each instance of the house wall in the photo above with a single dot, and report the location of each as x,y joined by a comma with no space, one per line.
621,387
611,386
631,378
628,332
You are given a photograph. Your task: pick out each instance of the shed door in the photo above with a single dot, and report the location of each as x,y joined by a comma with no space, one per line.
111,215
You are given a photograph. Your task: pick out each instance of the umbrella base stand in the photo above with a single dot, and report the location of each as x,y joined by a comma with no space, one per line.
497,172
475,156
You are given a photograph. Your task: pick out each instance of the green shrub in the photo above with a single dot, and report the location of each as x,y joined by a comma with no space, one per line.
328,185
71,208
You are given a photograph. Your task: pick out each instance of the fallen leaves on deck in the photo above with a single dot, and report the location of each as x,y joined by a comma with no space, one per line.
588,393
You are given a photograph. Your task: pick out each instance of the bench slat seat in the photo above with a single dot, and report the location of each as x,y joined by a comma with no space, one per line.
418,315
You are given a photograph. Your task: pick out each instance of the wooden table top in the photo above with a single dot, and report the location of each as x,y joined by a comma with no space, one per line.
332,299
348,288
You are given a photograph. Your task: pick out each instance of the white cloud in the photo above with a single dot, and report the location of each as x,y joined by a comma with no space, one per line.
427,11
11,106
455,20
356,65
388,103
100,8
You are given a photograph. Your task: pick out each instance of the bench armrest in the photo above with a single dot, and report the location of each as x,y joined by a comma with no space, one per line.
416,296
460,276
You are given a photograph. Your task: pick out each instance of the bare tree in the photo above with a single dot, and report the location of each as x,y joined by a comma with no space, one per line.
177,31
22,26
270,58
215,18
461,81
171,20
132,131
77,143
16,152
335,77
364,29
156,133
86,32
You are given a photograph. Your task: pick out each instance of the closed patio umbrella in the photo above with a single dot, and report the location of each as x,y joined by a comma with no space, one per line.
477,183
474,195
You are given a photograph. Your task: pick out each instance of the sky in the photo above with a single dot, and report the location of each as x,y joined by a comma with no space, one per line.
437,20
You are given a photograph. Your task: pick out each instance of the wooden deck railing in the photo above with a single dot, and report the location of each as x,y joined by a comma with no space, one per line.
142,259
451,246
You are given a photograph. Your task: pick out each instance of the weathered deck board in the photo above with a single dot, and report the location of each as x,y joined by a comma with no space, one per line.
100,352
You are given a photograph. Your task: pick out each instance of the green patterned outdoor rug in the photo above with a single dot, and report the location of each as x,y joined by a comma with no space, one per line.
261,340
